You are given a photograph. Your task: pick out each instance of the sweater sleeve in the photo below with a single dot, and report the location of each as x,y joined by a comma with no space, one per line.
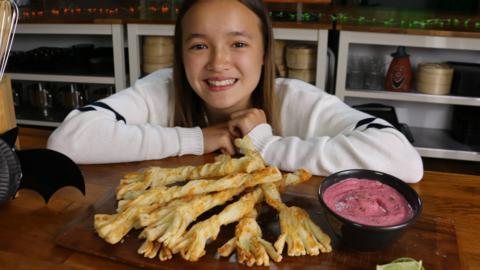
324,135
133,126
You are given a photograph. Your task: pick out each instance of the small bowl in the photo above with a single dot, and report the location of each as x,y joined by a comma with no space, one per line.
363,237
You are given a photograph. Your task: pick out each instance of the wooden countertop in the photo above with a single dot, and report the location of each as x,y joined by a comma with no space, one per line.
28,227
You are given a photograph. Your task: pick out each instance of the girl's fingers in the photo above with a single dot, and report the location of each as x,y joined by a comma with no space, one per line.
218,138
228,151
244,121
234,129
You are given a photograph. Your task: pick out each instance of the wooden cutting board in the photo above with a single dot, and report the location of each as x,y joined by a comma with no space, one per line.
431,239
7,111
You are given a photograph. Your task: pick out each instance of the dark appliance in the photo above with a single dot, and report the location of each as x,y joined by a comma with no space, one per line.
466,79
388,114
466,125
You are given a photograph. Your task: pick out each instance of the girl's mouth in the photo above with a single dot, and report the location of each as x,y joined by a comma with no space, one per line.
220,85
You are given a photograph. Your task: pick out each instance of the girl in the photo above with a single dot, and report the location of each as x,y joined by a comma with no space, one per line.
223,87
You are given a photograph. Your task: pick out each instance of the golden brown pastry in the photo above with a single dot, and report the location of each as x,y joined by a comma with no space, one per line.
251,248
136,183
192,245
300,233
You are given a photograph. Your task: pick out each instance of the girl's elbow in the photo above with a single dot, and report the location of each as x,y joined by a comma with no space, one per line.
62,144
410,165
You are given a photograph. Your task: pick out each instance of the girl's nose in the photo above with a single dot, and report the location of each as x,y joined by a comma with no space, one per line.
219,60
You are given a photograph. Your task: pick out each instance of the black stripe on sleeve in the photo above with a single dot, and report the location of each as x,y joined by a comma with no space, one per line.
379,126
105,106
364,121
86,109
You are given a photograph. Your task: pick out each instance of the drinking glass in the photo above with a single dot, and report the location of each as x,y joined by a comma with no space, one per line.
355,73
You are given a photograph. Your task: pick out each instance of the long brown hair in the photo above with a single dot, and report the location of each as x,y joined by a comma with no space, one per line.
189,108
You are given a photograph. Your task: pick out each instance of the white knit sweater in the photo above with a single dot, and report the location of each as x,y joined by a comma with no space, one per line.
319,132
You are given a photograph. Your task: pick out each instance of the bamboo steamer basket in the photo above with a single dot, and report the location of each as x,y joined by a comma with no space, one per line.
158,51
154,50
307,75
159,40
279,57
434,78
281,70
159,60
279,48
149,68
301,56
7,110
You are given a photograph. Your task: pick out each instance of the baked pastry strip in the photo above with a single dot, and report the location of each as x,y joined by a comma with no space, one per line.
300,233
158,176
250,247
112,229
167,225
248,242
192,244
162,194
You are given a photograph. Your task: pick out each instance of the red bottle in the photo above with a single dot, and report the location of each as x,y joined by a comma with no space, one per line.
399,75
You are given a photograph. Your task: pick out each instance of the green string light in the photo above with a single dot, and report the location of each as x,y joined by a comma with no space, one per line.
416,23
390,22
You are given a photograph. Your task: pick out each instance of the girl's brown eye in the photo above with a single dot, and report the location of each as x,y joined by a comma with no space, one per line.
198,47
239,45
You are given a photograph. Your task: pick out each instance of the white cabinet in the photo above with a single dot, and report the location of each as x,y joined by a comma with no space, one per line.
319,36
28,35
429,116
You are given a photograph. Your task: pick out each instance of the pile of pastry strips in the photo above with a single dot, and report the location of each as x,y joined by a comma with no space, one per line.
151,201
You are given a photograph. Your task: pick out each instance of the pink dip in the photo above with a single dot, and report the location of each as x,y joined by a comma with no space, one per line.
368,202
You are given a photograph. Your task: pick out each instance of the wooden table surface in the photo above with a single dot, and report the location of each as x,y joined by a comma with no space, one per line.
28,227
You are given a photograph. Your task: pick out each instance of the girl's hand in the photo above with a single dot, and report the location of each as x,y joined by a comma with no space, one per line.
242,122
218,137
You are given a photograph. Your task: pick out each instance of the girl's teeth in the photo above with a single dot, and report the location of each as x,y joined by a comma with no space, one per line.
221,83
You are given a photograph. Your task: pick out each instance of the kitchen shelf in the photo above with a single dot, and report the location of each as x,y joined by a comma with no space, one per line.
430,142
113,30
37,123
300,1
320,36
62,78
412,97
438,143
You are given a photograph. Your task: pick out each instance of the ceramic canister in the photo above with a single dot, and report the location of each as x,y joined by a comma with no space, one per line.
399,75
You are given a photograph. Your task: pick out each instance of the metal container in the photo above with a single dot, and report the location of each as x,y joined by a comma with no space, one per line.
71,96
41,98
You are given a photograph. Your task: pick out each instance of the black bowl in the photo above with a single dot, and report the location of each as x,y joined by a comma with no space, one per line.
363,237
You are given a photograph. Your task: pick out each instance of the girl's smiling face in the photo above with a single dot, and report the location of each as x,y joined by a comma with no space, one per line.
222,54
